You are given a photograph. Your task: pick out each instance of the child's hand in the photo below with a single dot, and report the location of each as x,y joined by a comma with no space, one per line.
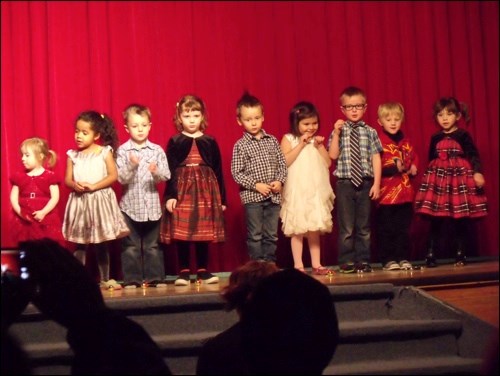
133,158
153,168
479,179
413,170
276,186
78,187
337,127
223,207
304,139
318,140
171,204
374,192
263,188
399,164
38,215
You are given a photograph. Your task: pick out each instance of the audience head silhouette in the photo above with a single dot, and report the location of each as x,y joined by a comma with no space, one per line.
289,325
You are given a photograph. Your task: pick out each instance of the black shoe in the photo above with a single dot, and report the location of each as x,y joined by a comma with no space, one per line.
347,268
204,276
157,283
363,267
460,258
183,279
430,260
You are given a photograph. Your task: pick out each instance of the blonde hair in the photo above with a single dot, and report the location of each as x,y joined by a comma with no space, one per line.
391,108
190,103
138,109
41,150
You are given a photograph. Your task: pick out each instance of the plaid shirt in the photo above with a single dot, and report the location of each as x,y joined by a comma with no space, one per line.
140,199
257,161
369,144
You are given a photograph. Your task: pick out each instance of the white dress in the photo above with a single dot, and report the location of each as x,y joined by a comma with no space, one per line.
308,196
92,217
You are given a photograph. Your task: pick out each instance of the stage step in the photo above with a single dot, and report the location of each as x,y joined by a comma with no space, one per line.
384,329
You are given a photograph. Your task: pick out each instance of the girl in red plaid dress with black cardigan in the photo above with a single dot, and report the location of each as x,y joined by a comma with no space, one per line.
452,185
195,195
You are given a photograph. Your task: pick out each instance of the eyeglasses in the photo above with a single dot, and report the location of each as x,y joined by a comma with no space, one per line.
350,107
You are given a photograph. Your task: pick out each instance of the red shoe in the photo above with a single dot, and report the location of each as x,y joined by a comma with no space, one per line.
321,270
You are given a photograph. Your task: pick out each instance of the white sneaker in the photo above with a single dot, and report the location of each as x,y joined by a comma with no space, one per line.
405,265
111,284
391,265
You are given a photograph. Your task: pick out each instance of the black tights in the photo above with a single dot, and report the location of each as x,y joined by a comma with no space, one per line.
183,253
460,230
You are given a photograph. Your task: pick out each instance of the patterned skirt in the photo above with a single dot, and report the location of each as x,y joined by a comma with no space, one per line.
448,190
198,214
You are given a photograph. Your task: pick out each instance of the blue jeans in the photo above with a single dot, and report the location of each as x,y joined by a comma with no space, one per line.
146,265
353,216
262,230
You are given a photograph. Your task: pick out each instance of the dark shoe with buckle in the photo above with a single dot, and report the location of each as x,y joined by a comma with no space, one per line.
363,267
460,258
430,260
347,268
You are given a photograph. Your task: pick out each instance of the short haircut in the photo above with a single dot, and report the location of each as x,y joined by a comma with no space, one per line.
138,109
247,100
391,108
352,91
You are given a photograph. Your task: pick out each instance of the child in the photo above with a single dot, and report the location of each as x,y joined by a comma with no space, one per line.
92,215
195,196
259,168
452,185
35,194
308,197
395,206
141,165
358,180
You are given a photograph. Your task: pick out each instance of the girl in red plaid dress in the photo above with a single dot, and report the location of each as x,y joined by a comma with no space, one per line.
452,185
195,195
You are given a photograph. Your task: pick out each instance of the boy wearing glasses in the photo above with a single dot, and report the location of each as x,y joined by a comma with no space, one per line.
356,147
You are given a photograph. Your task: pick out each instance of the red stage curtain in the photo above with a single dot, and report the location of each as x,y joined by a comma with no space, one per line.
60,58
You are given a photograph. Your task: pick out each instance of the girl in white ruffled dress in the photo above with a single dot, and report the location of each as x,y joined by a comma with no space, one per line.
306,210
92,215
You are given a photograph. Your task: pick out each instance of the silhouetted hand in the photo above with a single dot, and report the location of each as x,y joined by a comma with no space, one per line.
61,286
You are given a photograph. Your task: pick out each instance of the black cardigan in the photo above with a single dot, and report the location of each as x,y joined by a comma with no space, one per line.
177,150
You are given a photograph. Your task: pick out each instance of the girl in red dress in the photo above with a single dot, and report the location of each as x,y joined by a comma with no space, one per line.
452,185
195,195
35,194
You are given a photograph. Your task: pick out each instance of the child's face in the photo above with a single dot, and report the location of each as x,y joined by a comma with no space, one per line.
138,126
191,121
251,118
351,112
30,159
309,126
85,136
447,120
391,122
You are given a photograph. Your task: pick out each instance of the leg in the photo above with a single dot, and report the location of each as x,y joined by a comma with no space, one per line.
462,229
434,236
102,256
362,223
270,231
385,225
254,215
402,220
345,219
297,245
202,274
184,263
131,256
154,268
314,248
80,253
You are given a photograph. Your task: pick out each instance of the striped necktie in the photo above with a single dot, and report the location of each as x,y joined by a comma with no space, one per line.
356,169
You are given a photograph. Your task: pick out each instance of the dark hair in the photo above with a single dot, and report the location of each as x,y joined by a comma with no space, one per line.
190,103
242,282
247,100
289,325
352,91
301,111
452,105
138,109
102,125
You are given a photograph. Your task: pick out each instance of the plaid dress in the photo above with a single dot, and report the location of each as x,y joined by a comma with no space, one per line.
198,214
448,188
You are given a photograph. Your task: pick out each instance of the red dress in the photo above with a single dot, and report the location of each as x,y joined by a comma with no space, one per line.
34,194
198,213
448,188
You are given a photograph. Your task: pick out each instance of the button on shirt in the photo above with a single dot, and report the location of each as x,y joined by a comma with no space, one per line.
257,161
140,199
369,144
